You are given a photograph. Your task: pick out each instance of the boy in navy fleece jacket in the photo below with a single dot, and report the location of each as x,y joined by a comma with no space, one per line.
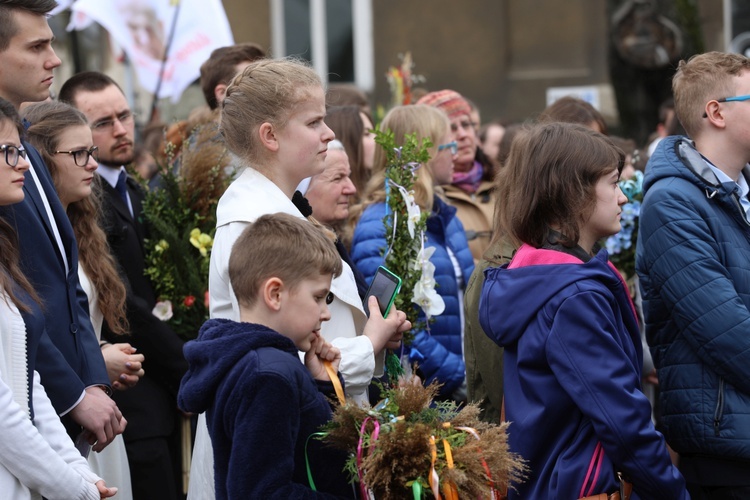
261,402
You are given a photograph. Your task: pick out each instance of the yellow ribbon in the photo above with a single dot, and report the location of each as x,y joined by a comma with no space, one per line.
335,381
449,487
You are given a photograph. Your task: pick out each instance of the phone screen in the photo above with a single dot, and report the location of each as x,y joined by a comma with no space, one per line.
384,286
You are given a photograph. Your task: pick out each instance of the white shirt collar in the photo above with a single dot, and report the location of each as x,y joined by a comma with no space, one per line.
109,174
741,182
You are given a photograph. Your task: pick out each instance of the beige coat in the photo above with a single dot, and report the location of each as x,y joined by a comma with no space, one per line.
476,213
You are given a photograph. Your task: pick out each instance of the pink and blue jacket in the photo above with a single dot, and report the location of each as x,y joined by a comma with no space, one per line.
572,371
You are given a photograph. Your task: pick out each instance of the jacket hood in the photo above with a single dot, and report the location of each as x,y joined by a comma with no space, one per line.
522,288
676,156
220,345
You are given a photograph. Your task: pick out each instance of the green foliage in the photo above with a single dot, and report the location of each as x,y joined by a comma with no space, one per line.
402,249
179,243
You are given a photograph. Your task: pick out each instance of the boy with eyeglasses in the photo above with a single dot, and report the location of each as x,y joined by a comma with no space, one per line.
693,261
151,439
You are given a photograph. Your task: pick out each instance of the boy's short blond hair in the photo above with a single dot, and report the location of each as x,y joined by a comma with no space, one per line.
700,79
280,246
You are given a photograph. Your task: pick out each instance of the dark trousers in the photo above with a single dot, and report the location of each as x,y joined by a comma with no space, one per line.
700,492
152,469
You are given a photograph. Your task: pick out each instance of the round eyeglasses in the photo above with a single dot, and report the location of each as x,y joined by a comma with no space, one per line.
12,153
81,156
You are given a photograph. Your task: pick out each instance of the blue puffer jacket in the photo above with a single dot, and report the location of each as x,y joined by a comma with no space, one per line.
693,260
439,353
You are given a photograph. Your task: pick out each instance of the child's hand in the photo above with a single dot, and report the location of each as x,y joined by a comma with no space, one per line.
385,332
320,351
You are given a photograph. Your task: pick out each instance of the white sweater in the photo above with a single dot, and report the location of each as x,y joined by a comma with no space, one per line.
36,458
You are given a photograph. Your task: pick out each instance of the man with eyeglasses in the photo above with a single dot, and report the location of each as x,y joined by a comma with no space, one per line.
68,357
693,260
151,439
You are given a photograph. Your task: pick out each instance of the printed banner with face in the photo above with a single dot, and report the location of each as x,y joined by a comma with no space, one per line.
142,29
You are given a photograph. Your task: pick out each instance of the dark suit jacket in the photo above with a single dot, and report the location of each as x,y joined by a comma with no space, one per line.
68,355
150,406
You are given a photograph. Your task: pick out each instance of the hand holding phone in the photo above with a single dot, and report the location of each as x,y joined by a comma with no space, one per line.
385,286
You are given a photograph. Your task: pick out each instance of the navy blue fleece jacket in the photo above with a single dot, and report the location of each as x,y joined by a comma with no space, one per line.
261,406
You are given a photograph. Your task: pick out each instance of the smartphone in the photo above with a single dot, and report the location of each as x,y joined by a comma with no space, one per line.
385,285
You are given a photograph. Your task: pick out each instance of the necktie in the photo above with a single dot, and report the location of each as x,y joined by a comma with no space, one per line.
121,186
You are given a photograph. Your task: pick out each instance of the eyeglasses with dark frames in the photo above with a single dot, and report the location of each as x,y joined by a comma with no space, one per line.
12,153
81,156
108,123
738,98
453,146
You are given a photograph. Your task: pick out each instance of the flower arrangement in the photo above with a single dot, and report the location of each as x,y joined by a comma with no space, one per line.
181,217
405,225
410,446
621,246
401,79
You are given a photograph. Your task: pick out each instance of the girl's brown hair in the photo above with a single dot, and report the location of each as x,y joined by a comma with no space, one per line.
347,124
549,181
48,121
11,277
265,91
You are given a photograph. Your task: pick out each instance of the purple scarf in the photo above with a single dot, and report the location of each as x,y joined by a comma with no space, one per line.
469,181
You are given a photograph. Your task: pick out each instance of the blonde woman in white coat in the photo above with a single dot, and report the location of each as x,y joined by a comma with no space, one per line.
273,122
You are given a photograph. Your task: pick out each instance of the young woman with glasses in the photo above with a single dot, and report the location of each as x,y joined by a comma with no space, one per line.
62,136
37,458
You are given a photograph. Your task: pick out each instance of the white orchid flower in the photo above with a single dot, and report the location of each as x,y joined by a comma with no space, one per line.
413,212
425,295
428,299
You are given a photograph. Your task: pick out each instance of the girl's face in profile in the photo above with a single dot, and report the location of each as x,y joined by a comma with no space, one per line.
368,142
605,219
441,166
73,180
11,177
303,141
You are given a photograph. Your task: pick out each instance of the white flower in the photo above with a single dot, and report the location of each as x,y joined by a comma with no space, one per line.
428,299
425,295
163,310
414,214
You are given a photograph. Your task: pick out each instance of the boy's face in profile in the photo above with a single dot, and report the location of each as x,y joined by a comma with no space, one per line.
304,308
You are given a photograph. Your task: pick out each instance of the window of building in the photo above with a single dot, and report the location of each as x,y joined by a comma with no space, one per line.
334,35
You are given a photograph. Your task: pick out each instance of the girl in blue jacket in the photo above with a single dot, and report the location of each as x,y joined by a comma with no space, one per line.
439,352
563,314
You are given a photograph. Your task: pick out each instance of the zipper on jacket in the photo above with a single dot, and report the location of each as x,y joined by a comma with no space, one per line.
719,407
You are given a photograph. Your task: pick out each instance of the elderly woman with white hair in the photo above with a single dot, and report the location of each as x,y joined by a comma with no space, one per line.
329,194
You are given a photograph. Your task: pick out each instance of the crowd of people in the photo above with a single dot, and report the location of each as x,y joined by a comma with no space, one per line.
539,328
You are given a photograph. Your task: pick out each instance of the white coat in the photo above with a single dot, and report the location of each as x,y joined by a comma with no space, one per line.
250,196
